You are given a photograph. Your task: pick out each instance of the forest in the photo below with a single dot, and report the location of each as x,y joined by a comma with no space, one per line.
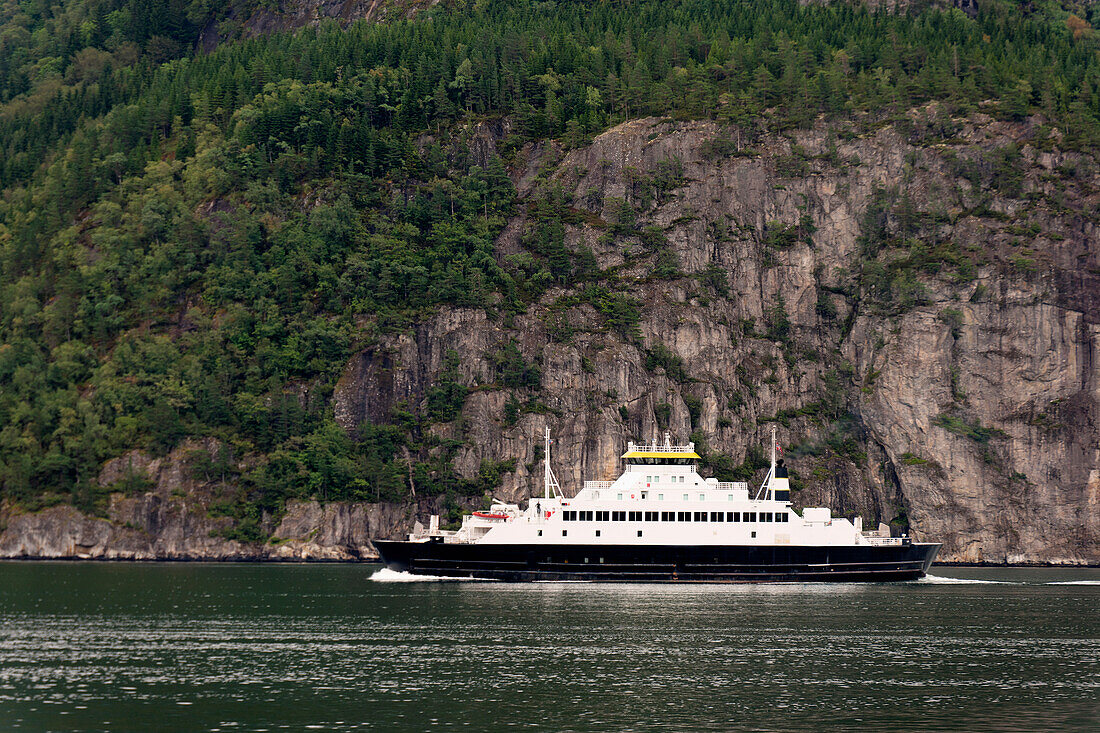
193,245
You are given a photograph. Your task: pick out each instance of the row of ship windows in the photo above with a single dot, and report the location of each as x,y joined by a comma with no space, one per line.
661,497
657,479
615,516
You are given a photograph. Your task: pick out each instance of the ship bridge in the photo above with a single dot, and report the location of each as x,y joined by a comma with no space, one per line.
657,454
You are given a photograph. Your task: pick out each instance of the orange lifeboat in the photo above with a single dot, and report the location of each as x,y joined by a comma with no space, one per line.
490,515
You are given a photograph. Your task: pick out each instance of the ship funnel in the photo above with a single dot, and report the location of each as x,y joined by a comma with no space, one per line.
780,485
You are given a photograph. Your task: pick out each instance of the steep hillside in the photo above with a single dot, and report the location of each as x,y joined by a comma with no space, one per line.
922,328
301,291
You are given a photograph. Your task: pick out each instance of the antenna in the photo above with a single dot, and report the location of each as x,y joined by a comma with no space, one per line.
773,449
550,481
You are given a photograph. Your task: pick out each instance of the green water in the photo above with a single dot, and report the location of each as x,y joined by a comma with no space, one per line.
193,647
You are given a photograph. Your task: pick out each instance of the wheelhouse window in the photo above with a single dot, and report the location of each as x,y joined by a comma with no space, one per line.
750,517
683,516
618,516
635,516
765,516
781,517
569,516
586,516
668,516
700,516
717,516
733,516
651,516
603,516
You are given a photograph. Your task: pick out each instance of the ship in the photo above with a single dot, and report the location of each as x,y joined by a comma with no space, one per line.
660,521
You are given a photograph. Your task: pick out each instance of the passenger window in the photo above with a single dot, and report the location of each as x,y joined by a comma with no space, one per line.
685,497
702,497
660,497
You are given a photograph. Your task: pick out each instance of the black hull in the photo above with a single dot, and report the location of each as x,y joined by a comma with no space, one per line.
661,563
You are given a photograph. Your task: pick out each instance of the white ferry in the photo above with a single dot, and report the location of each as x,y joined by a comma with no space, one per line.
660,521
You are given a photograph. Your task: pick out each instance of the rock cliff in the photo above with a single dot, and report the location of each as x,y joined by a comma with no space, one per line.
915,305
970,403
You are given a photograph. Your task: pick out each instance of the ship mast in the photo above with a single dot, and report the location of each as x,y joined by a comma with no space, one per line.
549,480
765,488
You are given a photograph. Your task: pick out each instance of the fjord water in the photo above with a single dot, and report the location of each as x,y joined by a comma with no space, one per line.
190,647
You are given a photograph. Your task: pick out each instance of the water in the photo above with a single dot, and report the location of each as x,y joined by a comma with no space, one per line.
190,647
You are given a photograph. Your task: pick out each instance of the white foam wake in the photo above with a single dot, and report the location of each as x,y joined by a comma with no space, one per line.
941,580
385,575
1074,582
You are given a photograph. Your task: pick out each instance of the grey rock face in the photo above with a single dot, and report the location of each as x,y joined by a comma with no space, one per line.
975,406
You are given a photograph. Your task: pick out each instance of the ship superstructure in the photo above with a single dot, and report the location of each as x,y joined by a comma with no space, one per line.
660,520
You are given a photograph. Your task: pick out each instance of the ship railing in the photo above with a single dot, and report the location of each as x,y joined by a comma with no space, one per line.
661,448
885,541
598,484
732,486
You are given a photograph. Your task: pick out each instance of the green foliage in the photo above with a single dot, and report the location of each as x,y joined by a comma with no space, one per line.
662,411
695,409
953,317
910,459
971,429
512,369
665,358
446,397
715,278
779,323
620,312
722,466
